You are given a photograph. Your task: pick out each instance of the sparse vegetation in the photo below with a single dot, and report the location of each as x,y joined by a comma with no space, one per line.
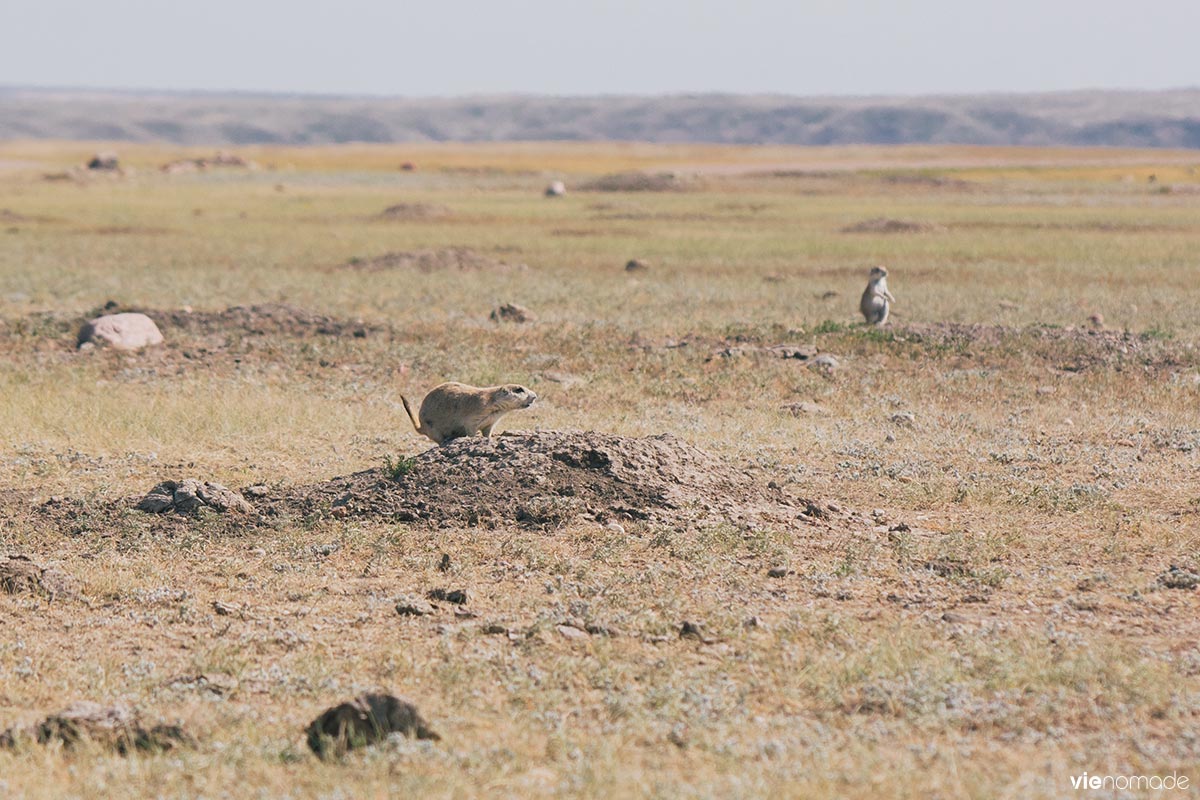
992,586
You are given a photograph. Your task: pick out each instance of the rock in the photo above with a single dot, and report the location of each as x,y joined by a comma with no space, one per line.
20,574
905,419
128,331
778,572
573,633
1179,578
114,727
363,721
804,407
190,495
413,607
556,189
457,596
107,161
635,265
511,312
825,362
216,683
801,352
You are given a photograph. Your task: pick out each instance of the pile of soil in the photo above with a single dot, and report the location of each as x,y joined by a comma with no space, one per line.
889,225
266,319
1070,348
546,479
407,211
636,182
462,259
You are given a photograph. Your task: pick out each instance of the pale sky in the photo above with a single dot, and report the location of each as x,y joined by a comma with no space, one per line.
574,47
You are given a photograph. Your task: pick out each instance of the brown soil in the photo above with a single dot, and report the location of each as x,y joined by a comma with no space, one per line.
888,225
1070,349
636,182
546,479
406,211
462,259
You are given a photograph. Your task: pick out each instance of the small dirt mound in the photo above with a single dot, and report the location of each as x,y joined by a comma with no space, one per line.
267,319
22,575
546,479
116,727
462,259
636,182
417,211
889,225
1071,349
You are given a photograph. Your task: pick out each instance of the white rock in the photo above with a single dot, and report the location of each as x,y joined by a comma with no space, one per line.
127,331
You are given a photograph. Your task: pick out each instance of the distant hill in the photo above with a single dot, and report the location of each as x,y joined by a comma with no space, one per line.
1118,118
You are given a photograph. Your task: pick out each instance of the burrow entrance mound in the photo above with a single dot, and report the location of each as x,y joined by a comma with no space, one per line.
547,479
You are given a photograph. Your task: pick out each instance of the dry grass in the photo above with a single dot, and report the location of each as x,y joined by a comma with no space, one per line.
1012,636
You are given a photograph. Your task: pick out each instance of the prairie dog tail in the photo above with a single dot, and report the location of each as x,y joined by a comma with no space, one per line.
411,415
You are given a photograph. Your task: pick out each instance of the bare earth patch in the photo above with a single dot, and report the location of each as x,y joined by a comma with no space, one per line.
546,479
889,225
462,259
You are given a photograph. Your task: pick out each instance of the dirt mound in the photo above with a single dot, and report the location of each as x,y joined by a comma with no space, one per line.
462,259
1070,348
889,225
546,479
260,320
406,211
19,574
636,182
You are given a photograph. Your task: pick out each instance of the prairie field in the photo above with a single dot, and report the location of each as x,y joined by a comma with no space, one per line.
986,583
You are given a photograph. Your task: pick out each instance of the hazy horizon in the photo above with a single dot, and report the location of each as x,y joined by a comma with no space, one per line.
593,48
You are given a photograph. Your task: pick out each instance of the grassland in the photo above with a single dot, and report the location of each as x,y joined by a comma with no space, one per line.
1000,627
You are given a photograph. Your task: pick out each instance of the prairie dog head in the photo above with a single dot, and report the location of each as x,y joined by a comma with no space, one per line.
878,274
512,396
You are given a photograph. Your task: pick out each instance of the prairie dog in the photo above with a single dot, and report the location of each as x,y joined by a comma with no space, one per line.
877,300
454,409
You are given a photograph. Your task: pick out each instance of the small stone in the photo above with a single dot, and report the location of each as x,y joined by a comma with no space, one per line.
804,407
904,419
413,607
456,596
1179,578
825,362
571,632
778,572
129,331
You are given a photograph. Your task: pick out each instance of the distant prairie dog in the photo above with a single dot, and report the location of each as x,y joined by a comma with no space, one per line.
452,410
877,300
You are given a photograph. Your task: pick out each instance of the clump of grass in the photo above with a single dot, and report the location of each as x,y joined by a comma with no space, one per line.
398,467
830,326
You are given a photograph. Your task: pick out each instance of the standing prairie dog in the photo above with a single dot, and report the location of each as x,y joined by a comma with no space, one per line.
877,300
454,409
